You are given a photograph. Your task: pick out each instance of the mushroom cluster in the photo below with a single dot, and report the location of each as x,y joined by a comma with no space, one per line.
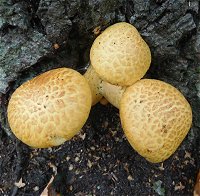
155,116
51,108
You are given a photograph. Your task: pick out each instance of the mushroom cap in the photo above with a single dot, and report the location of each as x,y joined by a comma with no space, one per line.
112,93
119,55
50,108
155,117
94,83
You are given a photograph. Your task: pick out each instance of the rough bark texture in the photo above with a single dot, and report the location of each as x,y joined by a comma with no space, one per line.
30,33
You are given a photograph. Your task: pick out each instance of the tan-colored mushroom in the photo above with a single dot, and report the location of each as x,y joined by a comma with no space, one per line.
119,55
155,117
50,109
94,82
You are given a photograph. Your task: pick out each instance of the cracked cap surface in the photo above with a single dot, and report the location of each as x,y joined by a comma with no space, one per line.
155,117
119,55
50,108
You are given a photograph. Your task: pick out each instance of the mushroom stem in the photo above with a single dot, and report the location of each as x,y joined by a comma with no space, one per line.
94,83
112,93
100,88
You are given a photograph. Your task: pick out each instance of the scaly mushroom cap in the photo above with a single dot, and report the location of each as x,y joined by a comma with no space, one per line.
155,117
119,55
112,93
94,82
50,109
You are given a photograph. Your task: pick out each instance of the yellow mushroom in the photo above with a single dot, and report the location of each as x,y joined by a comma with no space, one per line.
155,117
50,109
119,55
